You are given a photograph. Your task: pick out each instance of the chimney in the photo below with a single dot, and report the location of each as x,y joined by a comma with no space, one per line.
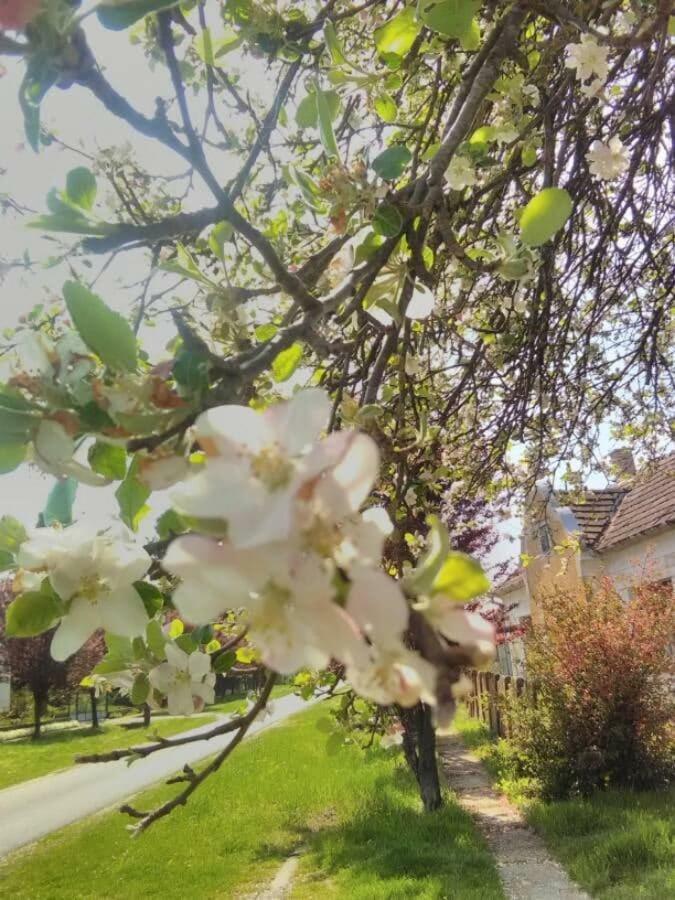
622,464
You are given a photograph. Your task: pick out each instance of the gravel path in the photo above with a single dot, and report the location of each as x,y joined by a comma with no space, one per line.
525,867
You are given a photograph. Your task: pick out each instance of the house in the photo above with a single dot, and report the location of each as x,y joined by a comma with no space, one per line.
571,538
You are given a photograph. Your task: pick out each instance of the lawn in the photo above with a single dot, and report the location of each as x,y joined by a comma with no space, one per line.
355,818
23,759
234,701
619,845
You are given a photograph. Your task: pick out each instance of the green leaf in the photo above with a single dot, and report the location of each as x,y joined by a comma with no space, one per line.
191,370
152,597
176,628
59,507
461,578
104,331
118,16
81,187
544,215
70,223
333,44
391,164
220,234
470,39
11,456
423,575
398,35
307,114
285,363
326,132
186,643
385,107
32,613
140,689
17,426
225,661
155,639
13,400
309,189
450,17
368,247
131,496
12,535
170,523
387,221
265,332
7,560
108,460
528,155
39,77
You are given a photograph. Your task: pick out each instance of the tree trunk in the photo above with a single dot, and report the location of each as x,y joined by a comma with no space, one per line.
94,708
419,747
427,766
147,712
39,703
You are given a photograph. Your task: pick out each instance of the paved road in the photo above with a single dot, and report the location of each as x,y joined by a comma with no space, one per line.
30,810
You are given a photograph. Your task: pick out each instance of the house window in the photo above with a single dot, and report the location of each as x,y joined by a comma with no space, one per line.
545,539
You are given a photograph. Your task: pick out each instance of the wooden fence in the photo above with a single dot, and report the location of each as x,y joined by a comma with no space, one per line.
488,699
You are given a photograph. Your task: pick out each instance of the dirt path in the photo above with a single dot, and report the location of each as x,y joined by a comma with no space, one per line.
525,867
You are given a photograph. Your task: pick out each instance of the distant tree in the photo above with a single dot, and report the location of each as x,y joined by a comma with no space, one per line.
31,665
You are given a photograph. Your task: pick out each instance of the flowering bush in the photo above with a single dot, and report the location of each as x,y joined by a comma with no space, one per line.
600,669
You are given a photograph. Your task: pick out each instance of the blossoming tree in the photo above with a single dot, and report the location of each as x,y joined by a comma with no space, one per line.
405,236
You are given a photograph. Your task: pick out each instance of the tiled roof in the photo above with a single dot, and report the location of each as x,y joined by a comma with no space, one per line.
511,583
650,504
593,509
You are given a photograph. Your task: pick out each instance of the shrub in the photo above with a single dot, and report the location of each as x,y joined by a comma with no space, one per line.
601,672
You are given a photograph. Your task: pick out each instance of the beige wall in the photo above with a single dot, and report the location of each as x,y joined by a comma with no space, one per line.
560,569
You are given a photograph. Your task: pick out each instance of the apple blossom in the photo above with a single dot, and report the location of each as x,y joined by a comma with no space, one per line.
587,58
468,629
93,574
608,161
186,680
460,173
384,670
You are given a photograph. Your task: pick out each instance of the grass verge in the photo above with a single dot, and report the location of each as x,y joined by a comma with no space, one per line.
357,819
24,759
618,845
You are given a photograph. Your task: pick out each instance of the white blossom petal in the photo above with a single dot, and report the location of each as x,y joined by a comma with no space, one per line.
122,613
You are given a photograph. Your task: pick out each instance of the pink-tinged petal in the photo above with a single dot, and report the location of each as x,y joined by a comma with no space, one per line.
122,613
376,603
204,694
466,628
350,468
299,422
81,622
233,431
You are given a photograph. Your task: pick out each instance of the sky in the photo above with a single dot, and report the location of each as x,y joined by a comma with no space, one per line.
80,121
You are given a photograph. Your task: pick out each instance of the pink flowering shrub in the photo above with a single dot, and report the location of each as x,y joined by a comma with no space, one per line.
601,671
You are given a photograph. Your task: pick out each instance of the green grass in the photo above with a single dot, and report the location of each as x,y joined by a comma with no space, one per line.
233,702
23,759
619,845
356,818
